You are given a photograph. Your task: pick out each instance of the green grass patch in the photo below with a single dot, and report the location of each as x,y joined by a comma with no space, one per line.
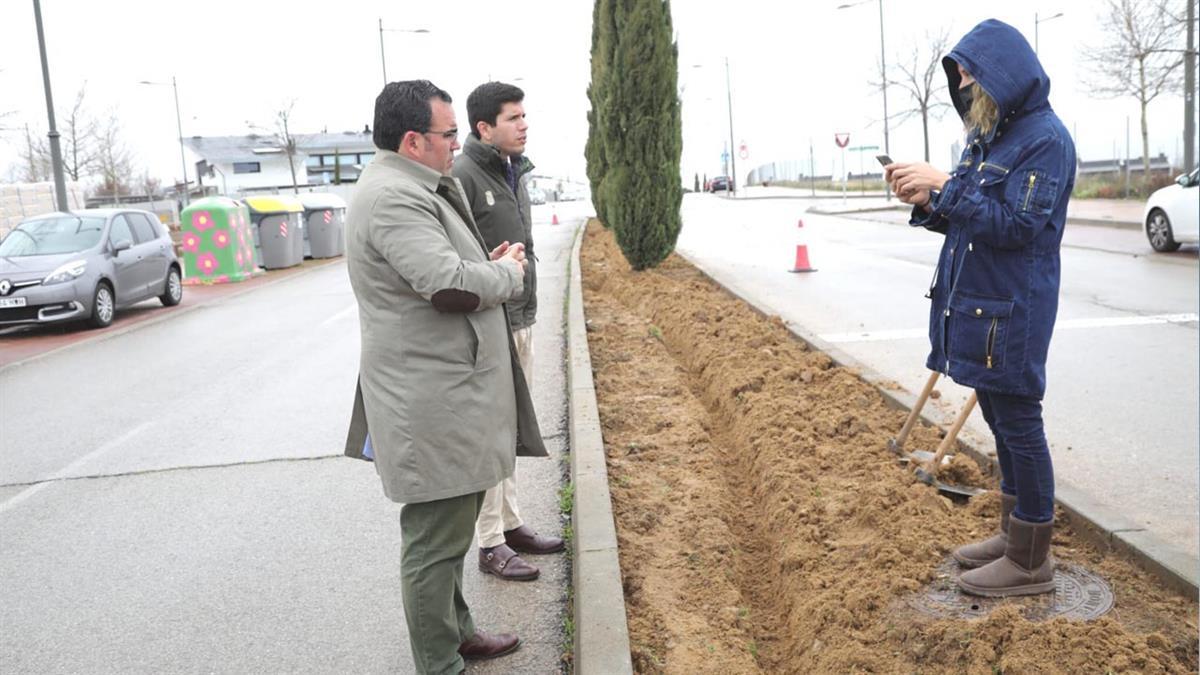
566,499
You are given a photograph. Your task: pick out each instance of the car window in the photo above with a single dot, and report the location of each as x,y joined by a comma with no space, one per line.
53,235
142,229
120,231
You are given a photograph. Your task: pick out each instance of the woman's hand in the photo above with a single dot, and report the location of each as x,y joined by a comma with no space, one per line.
912,182
918,198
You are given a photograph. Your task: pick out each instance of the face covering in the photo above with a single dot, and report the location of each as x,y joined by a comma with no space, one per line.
967,96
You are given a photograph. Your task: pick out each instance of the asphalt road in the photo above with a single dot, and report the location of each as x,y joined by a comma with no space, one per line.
1122,405
173,499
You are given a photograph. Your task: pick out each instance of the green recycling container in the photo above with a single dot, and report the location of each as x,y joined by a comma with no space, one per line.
216,241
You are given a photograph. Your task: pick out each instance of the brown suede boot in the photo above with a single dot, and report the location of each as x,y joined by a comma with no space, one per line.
983,552
1025,569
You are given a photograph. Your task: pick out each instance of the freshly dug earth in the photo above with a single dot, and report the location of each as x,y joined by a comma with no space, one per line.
764,527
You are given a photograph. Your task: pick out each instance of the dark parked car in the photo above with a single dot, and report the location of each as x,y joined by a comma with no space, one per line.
718,183
85,265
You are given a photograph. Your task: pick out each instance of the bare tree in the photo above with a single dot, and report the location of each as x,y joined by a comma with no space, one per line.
35,158
78,137
281,133
918,77
1139,57
113,160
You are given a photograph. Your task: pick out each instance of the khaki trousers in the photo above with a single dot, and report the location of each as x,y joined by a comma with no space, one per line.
500,511
435,537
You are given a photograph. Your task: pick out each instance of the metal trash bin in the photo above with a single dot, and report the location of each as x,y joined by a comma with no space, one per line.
324,225
278,230
216,241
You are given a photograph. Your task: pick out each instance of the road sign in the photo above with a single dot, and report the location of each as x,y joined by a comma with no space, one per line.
743,151
862,148
842,140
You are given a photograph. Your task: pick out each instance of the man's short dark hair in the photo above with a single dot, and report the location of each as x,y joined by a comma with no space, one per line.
403,107
484,104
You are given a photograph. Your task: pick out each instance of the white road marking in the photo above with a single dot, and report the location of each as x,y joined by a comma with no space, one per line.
340,315
68,470
1069,324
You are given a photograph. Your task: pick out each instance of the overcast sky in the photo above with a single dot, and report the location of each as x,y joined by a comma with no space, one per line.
799,70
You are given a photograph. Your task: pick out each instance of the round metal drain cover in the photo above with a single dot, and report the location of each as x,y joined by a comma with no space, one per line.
1078,594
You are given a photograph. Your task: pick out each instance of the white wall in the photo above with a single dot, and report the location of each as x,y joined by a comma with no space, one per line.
23,200
274,173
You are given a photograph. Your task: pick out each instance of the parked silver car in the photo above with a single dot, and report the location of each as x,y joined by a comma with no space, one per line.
85,265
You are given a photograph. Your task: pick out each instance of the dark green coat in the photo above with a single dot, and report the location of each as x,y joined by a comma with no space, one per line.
501,215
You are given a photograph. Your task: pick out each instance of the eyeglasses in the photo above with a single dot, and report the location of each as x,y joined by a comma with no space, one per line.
449,134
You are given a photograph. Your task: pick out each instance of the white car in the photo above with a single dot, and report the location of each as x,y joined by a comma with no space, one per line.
1173,214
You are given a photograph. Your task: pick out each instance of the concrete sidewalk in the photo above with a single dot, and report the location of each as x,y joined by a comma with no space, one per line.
537,611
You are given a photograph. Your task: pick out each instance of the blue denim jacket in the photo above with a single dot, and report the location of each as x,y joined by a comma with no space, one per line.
995,290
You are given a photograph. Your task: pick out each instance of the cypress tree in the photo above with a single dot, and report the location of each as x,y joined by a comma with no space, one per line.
603,35
641,133
696,183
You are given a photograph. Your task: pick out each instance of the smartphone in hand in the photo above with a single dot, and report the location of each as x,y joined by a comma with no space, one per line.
884,160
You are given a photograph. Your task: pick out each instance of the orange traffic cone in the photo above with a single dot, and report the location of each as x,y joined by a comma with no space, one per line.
802,264
554,219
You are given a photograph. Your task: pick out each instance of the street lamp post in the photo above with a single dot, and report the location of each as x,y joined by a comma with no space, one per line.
732,168
56,163
732,147
1036,23
179,128
887,146
382,59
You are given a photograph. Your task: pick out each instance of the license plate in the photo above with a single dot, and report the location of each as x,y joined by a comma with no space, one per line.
12,302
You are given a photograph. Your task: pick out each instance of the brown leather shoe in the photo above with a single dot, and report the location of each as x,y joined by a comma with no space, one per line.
525,540
485,646
504,562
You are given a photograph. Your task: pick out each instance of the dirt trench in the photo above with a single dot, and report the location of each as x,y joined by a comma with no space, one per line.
764,527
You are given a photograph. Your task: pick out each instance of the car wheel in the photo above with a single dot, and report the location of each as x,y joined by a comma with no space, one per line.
104,306
1158,231
173,293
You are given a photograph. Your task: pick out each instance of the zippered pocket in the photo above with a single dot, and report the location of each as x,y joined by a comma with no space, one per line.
992,165
1038,192
1029,190
978,330
991,340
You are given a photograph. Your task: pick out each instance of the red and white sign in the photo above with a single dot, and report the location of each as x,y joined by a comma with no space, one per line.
842,140
743,151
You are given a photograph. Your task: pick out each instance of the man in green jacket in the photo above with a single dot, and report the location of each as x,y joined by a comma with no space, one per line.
492,170
440,389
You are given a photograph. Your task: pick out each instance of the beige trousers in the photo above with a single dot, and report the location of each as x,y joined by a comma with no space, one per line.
500,512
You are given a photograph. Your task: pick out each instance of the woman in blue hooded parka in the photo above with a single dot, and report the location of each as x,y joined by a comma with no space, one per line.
995,289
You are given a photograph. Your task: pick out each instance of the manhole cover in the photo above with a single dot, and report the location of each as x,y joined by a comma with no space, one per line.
1078,594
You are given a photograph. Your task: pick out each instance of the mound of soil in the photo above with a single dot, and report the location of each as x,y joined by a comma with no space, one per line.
764,527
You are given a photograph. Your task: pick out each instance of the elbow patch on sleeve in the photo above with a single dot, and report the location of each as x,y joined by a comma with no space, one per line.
452,300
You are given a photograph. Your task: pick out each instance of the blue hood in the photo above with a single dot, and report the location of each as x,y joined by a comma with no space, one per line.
1001,60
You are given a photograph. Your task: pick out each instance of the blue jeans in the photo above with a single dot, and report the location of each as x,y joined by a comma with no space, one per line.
1024,455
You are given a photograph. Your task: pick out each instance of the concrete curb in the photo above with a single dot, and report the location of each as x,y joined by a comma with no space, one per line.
1101,222
601,629
1097,522
841,212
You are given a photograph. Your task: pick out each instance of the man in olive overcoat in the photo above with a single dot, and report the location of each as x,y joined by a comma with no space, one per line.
440,389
